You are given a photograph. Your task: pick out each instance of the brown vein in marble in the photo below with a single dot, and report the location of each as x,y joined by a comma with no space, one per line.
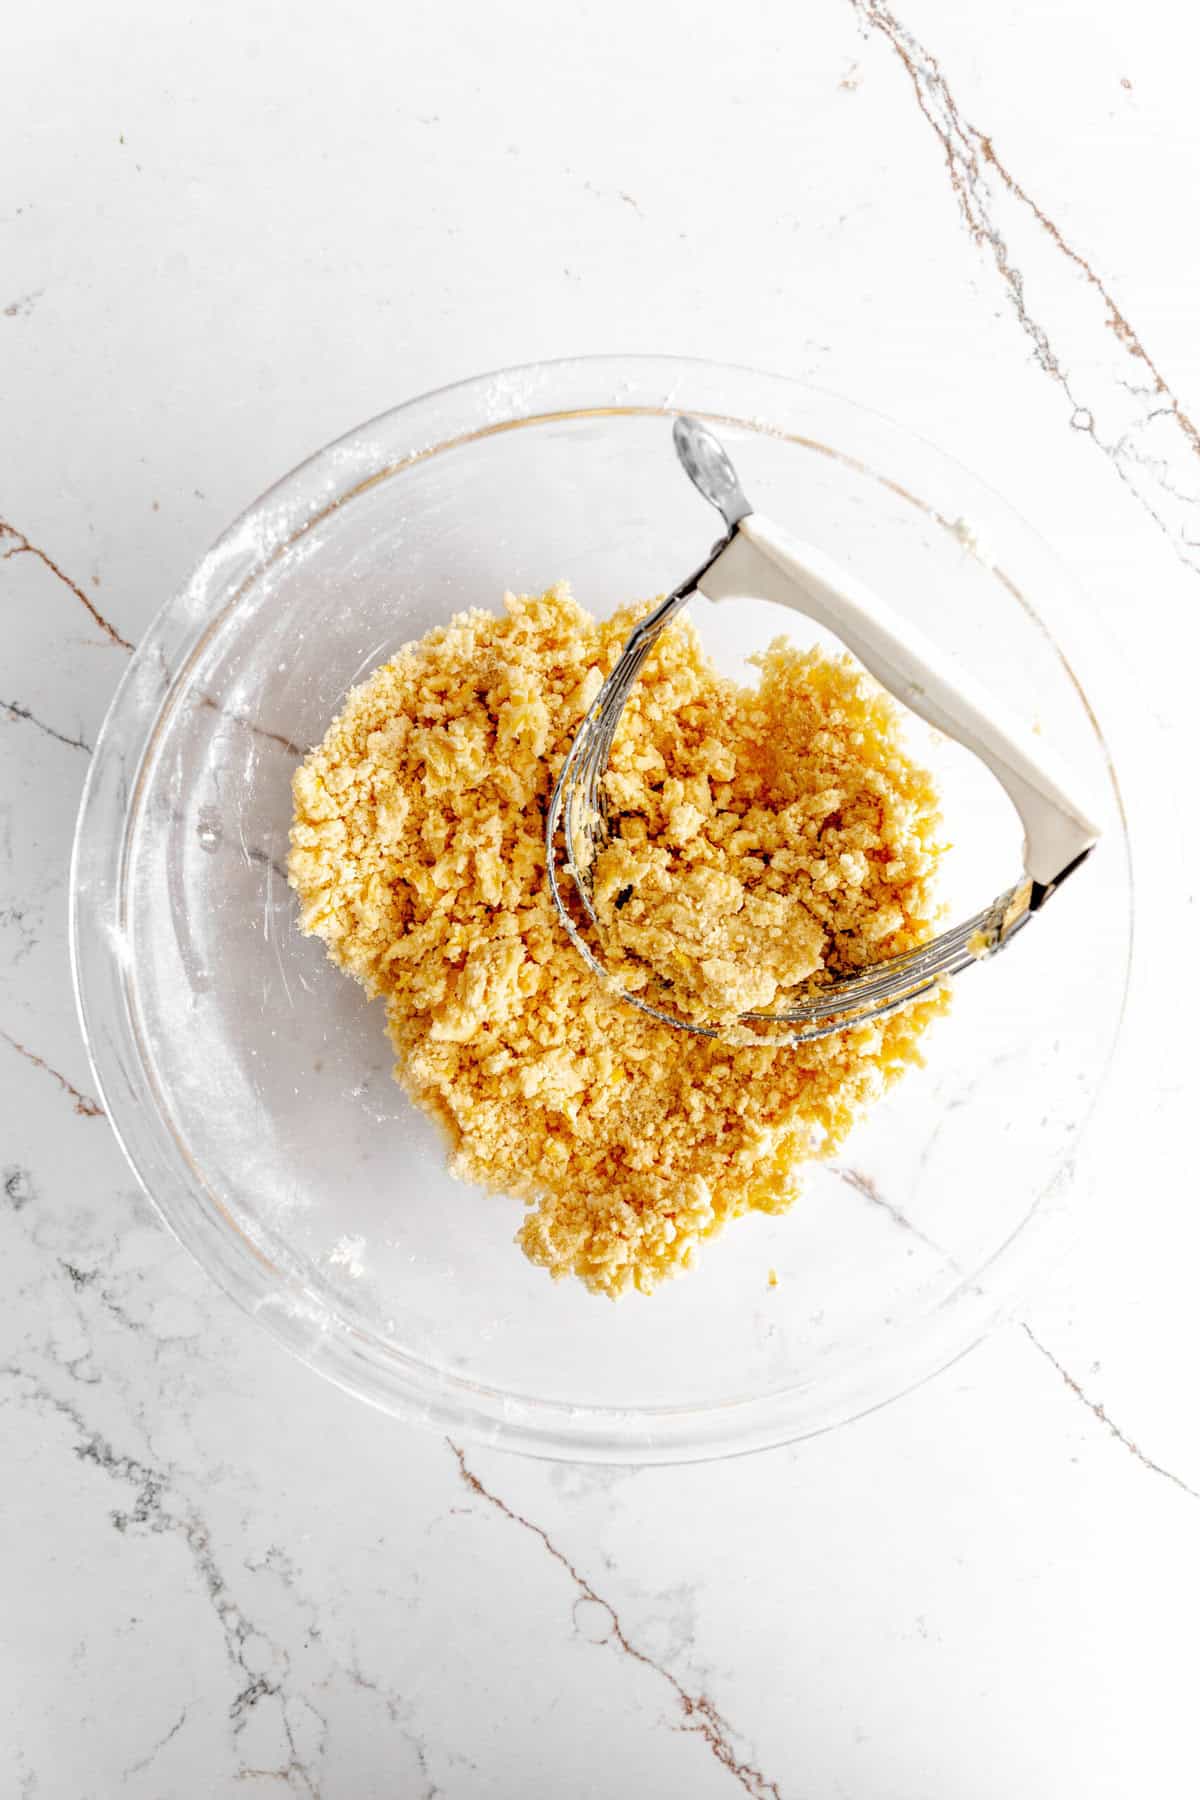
870,1190
274,737
22,307
266,861
700,1716
1098,1412
1115,319
21,546
971,157
85,1106
15,710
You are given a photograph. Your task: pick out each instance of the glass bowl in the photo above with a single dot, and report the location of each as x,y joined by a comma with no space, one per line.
250,1083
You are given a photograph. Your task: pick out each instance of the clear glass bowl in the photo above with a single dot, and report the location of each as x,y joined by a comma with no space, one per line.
249,1082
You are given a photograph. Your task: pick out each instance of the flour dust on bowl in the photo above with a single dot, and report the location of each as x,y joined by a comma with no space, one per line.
250,1083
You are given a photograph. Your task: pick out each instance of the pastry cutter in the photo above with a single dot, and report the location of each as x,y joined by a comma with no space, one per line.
756,557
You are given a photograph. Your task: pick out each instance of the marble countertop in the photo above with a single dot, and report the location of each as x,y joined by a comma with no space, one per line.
226,236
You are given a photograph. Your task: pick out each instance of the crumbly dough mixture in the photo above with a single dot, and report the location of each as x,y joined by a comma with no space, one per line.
762,836
766,835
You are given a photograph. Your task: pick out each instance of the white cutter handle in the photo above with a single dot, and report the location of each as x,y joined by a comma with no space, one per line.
764,561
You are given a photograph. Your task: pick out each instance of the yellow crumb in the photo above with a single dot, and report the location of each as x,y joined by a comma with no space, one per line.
417,854
772,1278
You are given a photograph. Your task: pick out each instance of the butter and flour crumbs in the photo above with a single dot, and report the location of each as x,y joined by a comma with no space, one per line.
765,835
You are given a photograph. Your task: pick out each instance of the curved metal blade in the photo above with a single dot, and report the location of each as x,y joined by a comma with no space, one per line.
708,466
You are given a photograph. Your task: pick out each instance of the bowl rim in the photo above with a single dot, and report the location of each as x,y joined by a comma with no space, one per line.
333,1346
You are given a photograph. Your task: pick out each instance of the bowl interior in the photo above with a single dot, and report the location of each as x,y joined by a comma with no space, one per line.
251,1081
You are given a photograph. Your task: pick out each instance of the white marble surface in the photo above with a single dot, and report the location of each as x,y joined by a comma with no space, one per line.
227,234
